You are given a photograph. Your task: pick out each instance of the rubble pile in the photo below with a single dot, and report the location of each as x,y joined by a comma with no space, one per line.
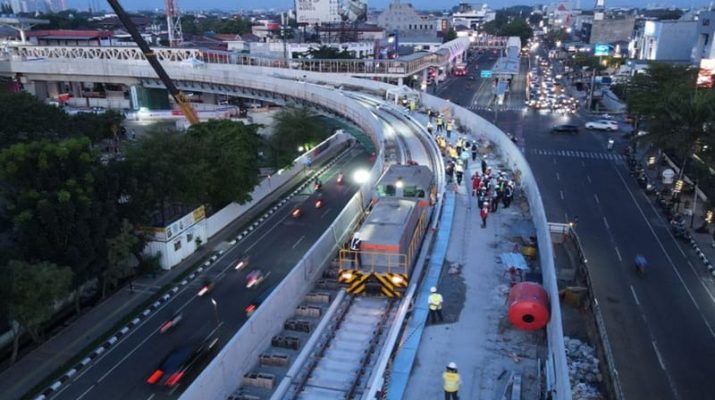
584,374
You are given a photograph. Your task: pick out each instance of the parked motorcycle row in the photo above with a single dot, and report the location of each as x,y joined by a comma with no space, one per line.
663,198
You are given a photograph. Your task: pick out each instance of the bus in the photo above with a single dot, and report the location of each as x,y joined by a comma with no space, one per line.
460,70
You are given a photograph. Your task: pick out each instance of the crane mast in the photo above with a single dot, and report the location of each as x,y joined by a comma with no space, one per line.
178,96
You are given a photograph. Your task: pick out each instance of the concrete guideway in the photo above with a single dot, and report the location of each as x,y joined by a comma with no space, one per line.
129,70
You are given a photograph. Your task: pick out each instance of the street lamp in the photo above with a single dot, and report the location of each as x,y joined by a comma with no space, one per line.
218,323
361,176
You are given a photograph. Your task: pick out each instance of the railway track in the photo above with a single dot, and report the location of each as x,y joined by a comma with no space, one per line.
340,363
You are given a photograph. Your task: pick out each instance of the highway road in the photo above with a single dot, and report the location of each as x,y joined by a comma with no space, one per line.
660,325
275,247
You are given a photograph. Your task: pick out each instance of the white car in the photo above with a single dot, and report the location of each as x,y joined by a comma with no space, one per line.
602,125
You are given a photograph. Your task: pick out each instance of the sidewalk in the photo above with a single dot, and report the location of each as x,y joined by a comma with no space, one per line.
98,321
475,335
702,243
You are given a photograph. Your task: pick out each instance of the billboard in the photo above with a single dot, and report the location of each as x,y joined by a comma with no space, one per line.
600,50
316,11
706,72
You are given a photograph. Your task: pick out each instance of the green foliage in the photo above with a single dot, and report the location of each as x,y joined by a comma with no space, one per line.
504,25
119,251
663,14
19,119
97,127
556,35
294,127
199,26
229,153
450,35
534,19
328,52
68,19
57,199
645,91
30,294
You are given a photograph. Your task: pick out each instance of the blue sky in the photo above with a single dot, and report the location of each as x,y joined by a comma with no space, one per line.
420,4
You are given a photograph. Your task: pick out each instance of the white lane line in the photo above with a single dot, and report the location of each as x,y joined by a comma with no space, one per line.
151,396
299,240
657,353
588,178
265,234
712,333
85,392
325,212
561,192
558,177
618,253
595,196
554,161
605,221
633,291
662,247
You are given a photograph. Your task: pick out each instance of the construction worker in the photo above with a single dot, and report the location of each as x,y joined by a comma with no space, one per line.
451,382
435,305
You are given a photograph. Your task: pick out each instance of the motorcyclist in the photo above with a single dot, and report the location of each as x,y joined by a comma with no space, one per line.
318,185
641,263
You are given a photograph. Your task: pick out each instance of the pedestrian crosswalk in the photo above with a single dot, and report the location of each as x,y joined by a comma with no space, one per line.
578,154
501,108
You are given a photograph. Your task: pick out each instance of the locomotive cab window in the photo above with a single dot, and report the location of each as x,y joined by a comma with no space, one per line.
386,190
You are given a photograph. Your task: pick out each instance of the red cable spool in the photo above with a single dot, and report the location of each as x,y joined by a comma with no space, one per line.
528,306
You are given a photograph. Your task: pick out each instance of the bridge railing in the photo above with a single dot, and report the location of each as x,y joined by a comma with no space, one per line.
194,56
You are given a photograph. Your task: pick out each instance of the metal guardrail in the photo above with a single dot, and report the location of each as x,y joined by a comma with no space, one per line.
615,386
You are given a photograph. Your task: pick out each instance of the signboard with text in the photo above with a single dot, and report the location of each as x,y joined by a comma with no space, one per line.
601,50
315,11
485,73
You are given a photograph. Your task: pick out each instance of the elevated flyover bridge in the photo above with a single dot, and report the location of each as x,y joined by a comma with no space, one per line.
451,52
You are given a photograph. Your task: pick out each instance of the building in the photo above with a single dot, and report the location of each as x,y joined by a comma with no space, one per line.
610,30
403,19
330,33
704,47
670,40
316,12
177,240
472,15
61,37
275,49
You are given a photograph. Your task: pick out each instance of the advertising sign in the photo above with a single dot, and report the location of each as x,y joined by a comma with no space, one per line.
485,73
706,72
600,50
315,12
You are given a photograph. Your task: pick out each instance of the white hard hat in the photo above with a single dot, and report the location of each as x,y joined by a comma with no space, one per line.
433,290
452,365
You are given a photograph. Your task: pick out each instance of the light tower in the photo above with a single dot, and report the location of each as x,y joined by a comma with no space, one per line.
173,24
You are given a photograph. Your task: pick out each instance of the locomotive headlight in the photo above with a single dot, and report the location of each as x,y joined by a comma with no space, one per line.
397,279
347,275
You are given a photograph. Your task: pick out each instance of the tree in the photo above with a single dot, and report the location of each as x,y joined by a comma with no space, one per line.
30,295
644,91
450,35
328,52
52,192
535,18
518,27
294,127
19,120
119,262
97,127
228,152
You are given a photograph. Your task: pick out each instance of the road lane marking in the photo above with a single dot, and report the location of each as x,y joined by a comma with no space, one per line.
561,192
558,177
633,291
299,240
326,212
595,196
657,353
662,247
605,221
712,333
583,164
588,178
265,234
85,392
618,253
151,396
554,161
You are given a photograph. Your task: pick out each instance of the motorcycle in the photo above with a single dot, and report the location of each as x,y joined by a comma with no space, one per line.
319,203
241,264
641,264
341,177
296,212
255,278
206,287
317,186
610,144
171,322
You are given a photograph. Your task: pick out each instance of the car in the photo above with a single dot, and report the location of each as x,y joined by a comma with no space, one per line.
602,125
207,285
181,361
571,129
256,302
171,323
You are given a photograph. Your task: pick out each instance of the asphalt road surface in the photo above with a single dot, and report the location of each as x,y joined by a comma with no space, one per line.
275,247
660,325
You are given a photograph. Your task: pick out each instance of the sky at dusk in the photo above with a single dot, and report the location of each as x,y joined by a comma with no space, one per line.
419,4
